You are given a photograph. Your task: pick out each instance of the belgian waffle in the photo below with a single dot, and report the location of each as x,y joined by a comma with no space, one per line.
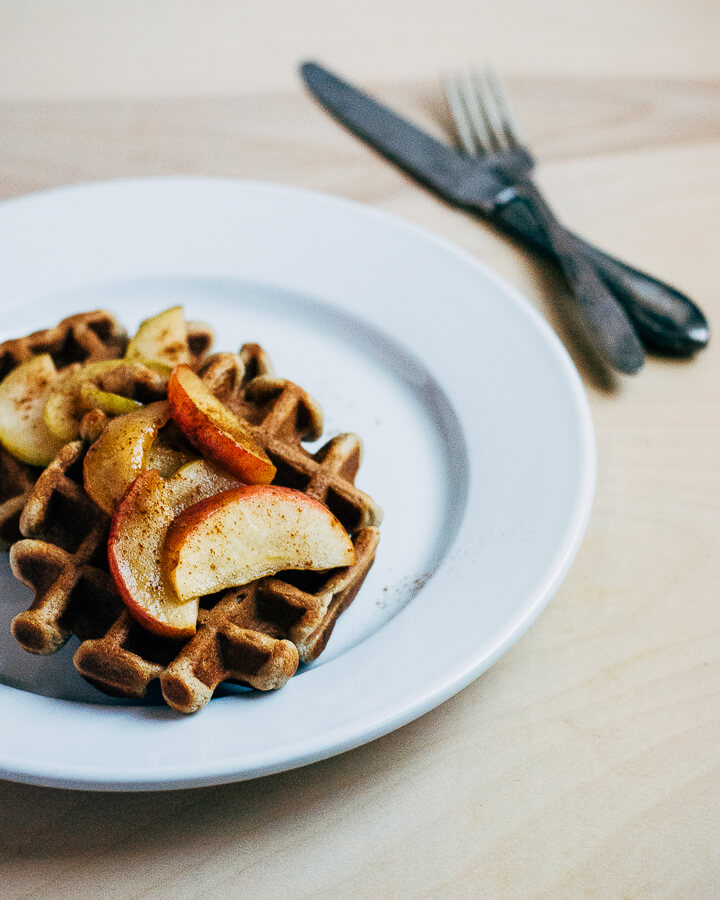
86,337
16,480
254,635
82,338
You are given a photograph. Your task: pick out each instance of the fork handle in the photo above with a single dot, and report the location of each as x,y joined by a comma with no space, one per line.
611,329
666,320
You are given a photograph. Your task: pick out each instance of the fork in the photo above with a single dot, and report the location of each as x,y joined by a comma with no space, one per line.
666,320
486,128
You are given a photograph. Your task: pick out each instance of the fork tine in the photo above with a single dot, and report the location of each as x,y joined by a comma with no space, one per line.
463,125
488,104
509,124
482,133
481,113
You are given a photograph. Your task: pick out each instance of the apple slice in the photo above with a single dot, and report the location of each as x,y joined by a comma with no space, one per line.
162,339
217,433
62,409
247,533
119,455
23,394
160,367
65,405
166,459
136,539
93,397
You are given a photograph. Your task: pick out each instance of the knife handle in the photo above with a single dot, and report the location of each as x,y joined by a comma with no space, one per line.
613,334
666,320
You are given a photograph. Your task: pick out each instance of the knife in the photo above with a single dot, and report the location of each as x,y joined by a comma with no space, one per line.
666,320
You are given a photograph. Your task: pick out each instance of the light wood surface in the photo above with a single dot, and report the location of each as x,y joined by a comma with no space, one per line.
585,763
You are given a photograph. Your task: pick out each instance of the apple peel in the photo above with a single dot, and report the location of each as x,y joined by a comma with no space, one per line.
215,430
136,538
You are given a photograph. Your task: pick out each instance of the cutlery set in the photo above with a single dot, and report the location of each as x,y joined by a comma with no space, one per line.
625,310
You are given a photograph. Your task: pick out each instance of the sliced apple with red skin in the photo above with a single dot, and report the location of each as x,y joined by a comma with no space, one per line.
23,395
249,532
120,454
215,430
136,538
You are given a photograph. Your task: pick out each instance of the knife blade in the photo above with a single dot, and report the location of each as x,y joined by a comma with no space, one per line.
666,320
454,175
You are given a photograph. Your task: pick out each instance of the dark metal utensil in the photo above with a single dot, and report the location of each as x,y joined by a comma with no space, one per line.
666,319
487,129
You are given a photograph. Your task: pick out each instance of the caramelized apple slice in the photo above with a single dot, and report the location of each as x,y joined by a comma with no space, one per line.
23,394
162,339
65,406
247,533
217,433
136,539
62,411
118,456
93,397
160,367
166,459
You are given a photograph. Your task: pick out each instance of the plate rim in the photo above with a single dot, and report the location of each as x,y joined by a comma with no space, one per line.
81,777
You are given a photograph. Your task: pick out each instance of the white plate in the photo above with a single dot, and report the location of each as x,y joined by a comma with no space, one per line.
478,444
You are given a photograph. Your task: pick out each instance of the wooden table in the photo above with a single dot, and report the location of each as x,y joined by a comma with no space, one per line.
585,763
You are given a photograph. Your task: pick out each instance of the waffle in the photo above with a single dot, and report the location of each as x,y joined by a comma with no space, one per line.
16,480
255,635
200,338
86,337
82,338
